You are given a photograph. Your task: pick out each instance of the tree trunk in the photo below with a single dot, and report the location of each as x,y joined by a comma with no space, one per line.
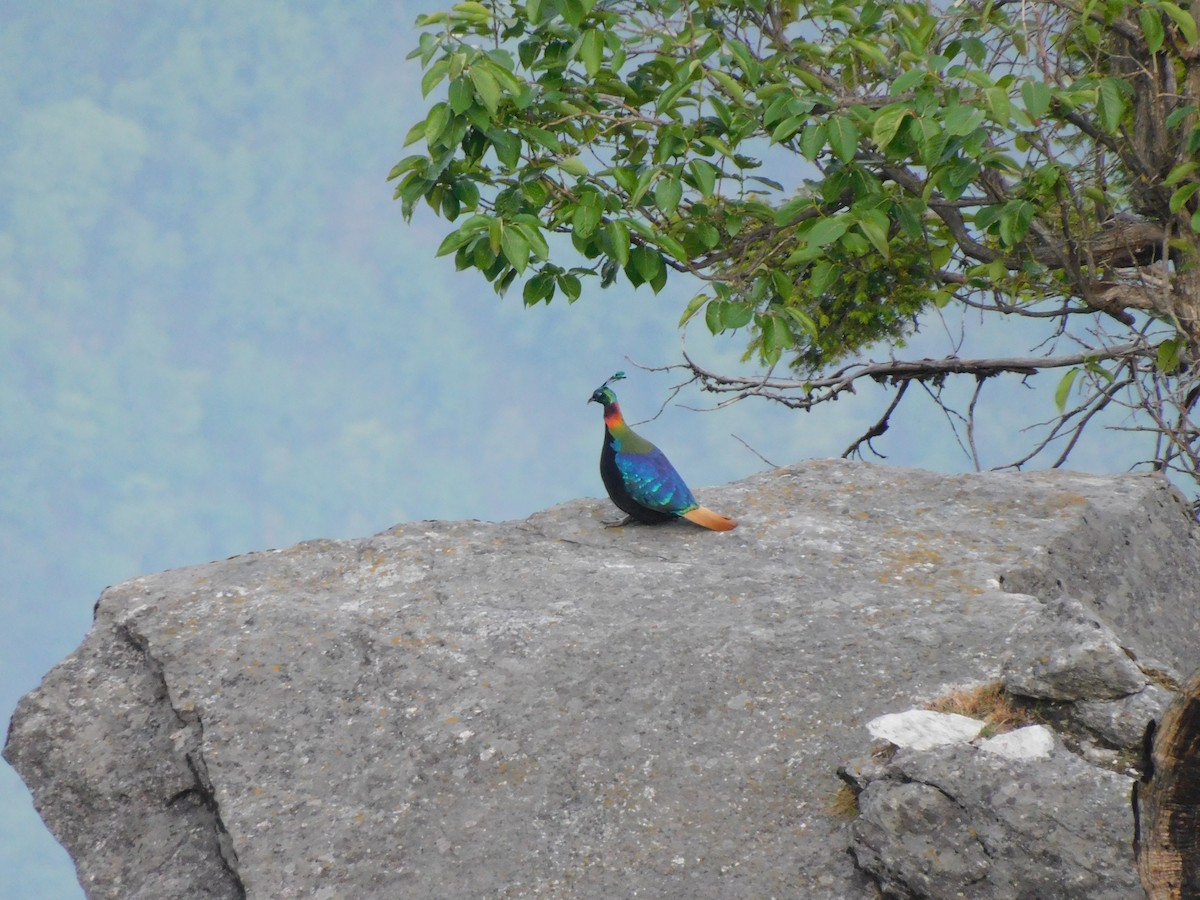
1166,803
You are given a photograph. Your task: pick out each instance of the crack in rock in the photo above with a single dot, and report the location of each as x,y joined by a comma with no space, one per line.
190,739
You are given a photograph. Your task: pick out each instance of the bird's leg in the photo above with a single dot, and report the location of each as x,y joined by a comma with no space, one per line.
625,521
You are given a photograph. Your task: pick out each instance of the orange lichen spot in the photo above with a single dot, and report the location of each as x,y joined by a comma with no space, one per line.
450,720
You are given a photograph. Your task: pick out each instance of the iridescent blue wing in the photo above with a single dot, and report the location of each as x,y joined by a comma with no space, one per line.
653,482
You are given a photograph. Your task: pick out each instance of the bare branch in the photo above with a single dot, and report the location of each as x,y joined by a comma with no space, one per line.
755,452
819,390
877,429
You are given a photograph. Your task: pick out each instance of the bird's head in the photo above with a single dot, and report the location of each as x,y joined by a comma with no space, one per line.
604,394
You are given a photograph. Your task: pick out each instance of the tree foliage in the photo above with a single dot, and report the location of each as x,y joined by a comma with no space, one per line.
834,171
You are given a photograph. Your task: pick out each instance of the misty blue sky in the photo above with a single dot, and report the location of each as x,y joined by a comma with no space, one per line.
217,334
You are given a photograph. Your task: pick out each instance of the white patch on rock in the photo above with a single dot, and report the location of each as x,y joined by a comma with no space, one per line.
1031,742
923,729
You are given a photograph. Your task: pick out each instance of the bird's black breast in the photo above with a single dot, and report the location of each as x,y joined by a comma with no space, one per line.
614,483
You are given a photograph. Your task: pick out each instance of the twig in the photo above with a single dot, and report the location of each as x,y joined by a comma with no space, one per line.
877,429
755,452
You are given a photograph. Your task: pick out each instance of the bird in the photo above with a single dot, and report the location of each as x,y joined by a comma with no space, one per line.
640,479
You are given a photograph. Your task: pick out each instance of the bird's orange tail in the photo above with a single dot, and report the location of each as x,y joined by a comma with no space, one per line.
709,519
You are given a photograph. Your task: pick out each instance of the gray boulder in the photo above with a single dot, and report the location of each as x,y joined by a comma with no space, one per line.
551,708
964,822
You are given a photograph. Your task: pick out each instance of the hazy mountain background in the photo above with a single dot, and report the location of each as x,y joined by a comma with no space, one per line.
217,334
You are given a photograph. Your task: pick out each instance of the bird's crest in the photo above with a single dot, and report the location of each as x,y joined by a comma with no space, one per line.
604,394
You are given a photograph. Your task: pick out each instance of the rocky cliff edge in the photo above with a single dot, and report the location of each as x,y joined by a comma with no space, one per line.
552,708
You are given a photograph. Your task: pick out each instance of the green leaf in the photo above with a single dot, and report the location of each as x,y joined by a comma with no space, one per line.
705,174
1111,101
453,241
591,51
667,194
786,128
1152,28
573,165
931,140
1182,196
673,247
785,288
461,96
693,306
536,289
1183,20
812,140
433,77
731,87
750,66
1015,218
586,218
909,79
887,124
666,100
999,103
542,138
707,234
648,263
871,51
507,146
827,230
788,212
618,238
963,119
736,315
414,134
1179,114
822,276
843,137
874,224
1178,173
473,10
486,87
570,286
574,11
436,122
712,316
644,178
777,337
803,319
414,161
515,248
1064,388
1167,355
533,236
1037,99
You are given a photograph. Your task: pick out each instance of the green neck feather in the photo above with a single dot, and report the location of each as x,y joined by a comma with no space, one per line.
627,440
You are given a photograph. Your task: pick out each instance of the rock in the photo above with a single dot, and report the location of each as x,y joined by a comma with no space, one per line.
1122,723
553,708
1030,742
961,822
921,729
1062,652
